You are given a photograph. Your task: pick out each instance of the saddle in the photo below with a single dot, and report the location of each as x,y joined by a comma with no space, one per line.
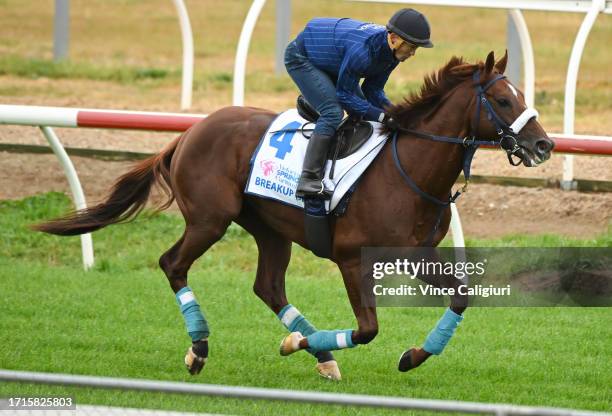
349,137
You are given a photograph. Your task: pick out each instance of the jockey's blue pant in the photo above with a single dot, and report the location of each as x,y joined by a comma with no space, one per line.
318,88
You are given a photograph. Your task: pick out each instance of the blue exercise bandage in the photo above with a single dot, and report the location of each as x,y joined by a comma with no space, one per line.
294,321
330,340
197,327
442,333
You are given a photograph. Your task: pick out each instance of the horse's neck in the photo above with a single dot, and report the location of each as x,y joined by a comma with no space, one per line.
436,165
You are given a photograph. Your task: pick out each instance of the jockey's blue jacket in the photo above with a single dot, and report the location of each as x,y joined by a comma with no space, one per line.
348,50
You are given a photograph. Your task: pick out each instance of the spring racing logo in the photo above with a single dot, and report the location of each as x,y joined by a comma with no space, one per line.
268,167
277,178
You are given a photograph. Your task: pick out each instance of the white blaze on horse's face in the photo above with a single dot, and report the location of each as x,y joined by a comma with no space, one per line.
513,90
525,117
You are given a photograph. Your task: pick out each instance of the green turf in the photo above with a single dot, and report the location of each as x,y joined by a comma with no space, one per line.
121,320
36,68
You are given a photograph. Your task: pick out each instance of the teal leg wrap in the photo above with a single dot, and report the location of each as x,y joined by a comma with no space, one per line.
295,321
330,340
442,333
197,327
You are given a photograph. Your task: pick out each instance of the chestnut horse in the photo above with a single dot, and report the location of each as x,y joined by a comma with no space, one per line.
206,169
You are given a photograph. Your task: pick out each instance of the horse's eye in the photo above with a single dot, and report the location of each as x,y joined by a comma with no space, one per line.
503,102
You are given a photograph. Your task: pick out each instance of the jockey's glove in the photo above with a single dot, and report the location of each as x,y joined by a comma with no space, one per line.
391,123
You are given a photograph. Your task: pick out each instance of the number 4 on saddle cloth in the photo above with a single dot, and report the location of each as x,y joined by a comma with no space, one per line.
276,165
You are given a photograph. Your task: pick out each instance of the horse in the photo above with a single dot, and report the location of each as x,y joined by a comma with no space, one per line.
205,170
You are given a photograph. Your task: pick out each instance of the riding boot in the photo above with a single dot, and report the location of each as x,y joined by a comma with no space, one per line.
313,169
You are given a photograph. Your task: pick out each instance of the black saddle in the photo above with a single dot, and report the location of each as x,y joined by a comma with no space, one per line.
350,136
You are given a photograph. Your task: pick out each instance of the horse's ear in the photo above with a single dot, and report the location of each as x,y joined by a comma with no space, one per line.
500,66
489,63
464,70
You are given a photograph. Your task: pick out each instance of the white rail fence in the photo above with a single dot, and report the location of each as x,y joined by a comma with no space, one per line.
238,392
45,117
187,40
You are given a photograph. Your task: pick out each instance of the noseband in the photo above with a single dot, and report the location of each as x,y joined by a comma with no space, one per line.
507,140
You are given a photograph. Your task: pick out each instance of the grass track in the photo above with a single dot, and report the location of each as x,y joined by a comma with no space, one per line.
121,320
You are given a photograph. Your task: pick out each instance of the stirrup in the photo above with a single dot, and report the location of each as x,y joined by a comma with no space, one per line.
321,193
324,193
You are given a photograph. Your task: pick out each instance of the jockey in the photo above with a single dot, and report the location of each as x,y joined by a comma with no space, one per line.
328,59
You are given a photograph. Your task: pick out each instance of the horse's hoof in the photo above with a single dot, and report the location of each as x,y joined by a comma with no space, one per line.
193,362
329,370
291,343
409,360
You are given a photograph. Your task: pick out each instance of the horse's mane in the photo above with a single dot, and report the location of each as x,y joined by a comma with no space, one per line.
435,86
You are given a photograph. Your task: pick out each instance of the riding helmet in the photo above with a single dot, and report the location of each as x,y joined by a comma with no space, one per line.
411,26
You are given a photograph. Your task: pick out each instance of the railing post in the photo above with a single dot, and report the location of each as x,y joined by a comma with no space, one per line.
513,46
243,50
456,228
61,29
187,37
597,6
75,186
527,54
283,31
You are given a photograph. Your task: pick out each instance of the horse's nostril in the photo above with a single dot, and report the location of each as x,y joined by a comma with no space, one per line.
544,146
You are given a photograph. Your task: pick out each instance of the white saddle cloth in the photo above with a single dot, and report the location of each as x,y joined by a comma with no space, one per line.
276,164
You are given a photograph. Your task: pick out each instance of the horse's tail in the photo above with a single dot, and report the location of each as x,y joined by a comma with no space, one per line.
127,198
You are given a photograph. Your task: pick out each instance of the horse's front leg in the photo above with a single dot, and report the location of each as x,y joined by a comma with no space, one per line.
444,330
340,338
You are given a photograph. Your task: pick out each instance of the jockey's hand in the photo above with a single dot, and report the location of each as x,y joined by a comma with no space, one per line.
391,123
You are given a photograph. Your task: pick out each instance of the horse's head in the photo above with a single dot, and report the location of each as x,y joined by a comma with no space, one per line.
499,110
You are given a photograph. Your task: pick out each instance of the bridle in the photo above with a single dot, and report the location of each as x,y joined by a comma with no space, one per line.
507,134
507,139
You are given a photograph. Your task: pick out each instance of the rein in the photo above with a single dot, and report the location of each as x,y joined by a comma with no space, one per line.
507,139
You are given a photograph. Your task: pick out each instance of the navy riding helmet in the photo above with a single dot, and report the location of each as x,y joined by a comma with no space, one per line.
411,26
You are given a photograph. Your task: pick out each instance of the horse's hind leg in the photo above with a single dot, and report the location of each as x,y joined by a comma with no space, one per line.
175,263
269,286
